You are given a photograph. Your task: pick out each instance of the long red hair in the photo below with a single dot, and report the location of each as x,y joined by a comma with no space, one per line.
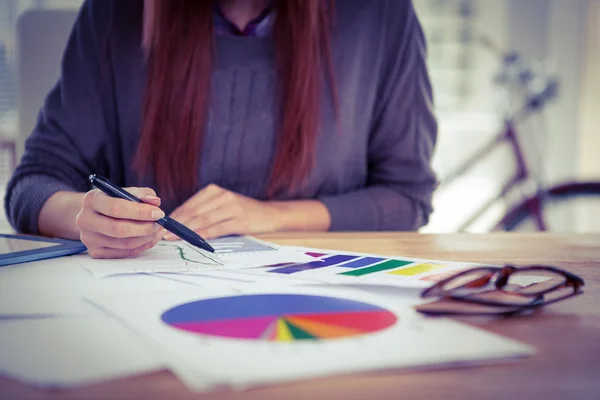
178,38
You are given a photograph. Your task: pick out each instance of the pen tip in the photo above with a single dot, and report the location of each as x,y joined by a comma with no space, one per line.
92,177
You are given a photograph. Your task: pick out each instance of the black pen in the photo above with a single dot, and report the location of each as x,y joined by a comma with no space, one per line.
166,222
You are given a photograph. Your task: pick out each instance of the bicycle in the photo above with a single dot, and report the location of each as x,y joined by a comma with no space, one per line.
533,208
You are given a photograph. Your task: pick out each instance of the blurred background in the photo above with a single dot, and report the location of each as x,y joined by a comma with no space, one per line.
522,70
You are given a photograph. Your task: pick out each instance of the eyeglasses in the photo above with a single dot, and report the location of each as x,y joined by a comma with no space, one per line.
500,290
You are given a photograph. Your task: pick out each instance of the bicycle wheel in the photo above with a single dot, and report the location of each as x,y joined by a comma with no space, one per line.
569,207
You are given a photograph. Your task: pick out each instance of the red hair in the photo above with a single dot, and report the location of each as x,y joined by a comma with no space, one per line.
178,38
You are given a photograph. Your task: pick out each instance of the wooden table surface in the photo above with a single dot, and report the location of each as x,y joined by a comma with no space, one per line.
566,335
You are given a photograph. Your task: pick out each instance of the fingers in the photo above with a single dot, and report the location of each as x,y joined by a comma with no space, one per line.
201,199
141,192
130,243
152,200
147,195
123,209
217,216
118,228
229,227
204,221
103,252
223,199
220,207
115,228
199,209
100,246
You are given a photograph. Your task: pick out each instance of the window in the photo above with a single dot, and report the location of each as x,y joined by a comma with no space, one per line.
448,26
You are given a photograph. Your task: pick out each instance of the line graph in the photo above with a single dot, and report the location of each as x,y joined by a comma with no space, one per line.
181,251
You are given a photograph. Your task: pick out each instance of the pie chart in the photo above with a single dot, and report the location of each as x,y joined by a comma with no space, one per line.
279,317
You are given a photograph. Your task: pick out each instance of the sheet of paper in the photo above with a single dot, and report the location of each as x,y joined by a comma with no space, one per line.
229,278
72,351
269,336
351,268
178,256
57,287
345,267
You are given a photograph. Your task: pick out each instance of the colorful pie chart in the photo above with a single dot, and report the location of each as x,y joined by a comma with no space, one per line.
279,317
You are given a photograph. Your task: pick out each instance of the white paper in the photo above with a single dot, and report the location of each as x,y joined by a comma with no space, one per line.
409,296
413,342
178,256
230,278
57,287
404,276
334,273
191,377
72,351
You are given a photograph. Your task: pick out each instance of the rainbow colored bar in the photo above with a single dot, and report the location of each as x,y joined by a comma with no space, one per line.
385,266
322,263
359,265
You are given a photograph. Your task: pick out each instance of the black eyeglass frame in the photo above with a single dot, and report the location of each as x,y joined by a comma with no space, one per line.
571,280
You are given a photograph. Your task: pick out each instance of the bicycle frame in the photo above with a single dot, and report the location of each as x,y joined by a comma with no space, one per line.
508,135
531,205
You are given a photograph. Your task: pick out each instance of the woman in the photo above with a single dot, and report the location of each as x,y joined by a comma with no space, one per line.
245,116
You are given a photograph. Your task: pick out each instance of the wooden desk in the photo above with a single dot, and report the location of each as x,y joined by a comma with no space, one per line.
567,335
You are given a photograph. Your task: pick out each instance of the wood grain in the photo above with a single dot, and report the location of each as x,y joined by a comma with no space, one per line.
566,335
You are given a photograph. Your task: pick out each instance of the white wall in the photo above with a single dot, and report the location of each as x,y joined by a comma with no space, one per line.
588,218
589,161
555,31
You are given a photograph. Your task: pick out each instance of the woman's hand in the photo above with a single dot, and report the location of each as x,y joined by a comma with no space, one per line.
117,228
215,212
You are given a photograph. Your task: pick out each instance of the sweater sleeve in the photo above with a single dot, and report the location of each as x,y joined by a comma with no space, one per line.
400,182
72,135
